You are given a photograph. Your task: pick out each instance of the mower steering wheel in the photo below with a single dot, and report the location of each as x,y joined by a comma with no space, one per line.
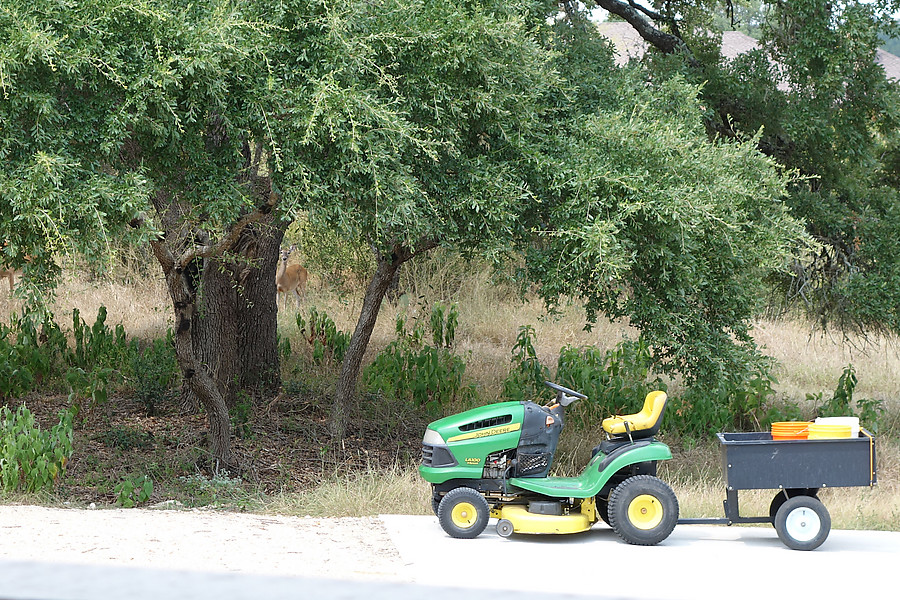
564,395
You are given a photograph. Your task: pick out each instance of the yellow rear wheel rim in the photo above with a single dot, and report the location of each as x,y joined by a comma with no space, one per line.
645,512
464,515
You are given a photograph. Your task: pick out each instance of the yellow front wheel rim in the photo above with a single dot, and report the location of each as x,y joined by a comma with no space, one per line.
645,512
464,515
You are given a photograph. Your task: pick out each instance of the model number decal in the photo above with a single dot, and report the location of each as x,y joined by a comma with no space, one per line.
472,435
473,461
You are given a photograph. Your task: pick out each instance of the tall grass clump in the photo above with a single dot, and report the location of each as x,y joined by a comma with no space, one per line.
366,492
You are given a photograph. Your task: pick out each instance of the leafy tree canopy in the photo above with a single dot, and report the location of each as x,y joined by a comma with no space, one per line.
817,102
409,124
414,134
652,223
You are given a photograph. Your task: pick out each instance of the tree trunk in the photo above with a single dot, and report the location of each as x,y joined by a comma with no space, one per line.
235,328
346,385
233,340
387,267
197,378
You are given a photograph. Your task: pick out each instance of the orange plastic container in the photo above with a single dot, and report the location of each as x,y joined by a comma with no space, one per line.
790,430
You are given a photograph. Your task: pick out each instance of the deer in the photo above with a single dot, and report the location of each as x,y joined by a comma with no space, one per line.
11,272
290,278
10,275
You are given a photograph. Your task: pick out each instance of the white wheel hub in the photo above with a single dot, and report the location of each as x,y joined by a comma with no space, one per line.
803,524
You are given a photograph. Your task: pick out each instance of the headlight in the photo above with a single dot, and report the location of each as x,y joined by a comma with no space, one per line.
432,438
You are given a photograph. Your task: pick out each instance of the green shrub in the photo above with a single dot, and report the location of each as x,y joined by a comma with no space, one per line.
841,403
615,382
152,371
444,320
98,345
527,375
430,377
90,386
31,351
32,459
133,491
328,343
699,412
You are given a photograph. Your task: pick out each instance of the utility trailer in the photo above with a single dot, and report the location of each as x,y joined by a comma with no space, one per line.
798,469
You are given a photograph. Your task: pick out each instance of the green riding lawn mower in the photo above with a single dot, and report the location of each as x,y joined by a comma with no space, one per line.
494,461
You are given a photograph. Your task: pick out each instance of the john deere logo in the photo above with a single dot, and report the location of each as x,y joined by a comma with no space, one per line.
473,461
472,435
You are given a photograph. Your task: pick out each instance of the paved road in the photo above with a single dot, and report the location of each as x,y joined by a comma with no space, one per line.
696,563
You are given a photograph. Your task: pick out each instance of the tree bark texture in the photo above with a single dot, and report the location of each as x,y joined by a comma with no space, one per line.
359,341
386,269
235,328
196,377
235,342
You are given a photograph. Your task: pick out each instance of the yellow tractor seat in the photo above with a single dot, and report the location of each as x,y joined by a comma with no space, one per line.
642,424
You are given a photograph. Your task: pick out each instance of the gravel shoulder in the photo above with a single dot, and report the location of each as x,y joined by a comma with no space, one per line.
202,540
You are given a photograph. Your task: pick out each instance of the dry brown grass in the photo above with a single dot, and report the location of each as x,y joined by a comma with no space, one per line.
812,361
141,306
397,490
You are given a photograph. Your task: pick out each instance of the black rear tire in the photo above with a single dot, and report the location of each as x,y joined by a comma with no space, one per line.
602,509
643,510
463,513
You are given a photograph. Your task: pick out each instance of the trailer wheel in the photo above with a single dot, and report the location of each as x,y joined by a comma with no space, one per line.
802,523
643,510
785,495
463,513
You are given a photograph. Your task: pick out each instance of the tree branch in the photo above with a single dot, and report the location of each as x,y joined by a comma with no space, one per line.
227,242
650,13
634,16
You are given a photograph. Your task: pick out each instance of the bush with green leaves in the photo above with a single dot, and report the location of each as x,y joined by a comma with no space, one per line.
95,359
97,345
841,403
741,400
88,388
527,375
329,344
32,459
133,491
616,381
30,352
430,377
34,350
152,371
